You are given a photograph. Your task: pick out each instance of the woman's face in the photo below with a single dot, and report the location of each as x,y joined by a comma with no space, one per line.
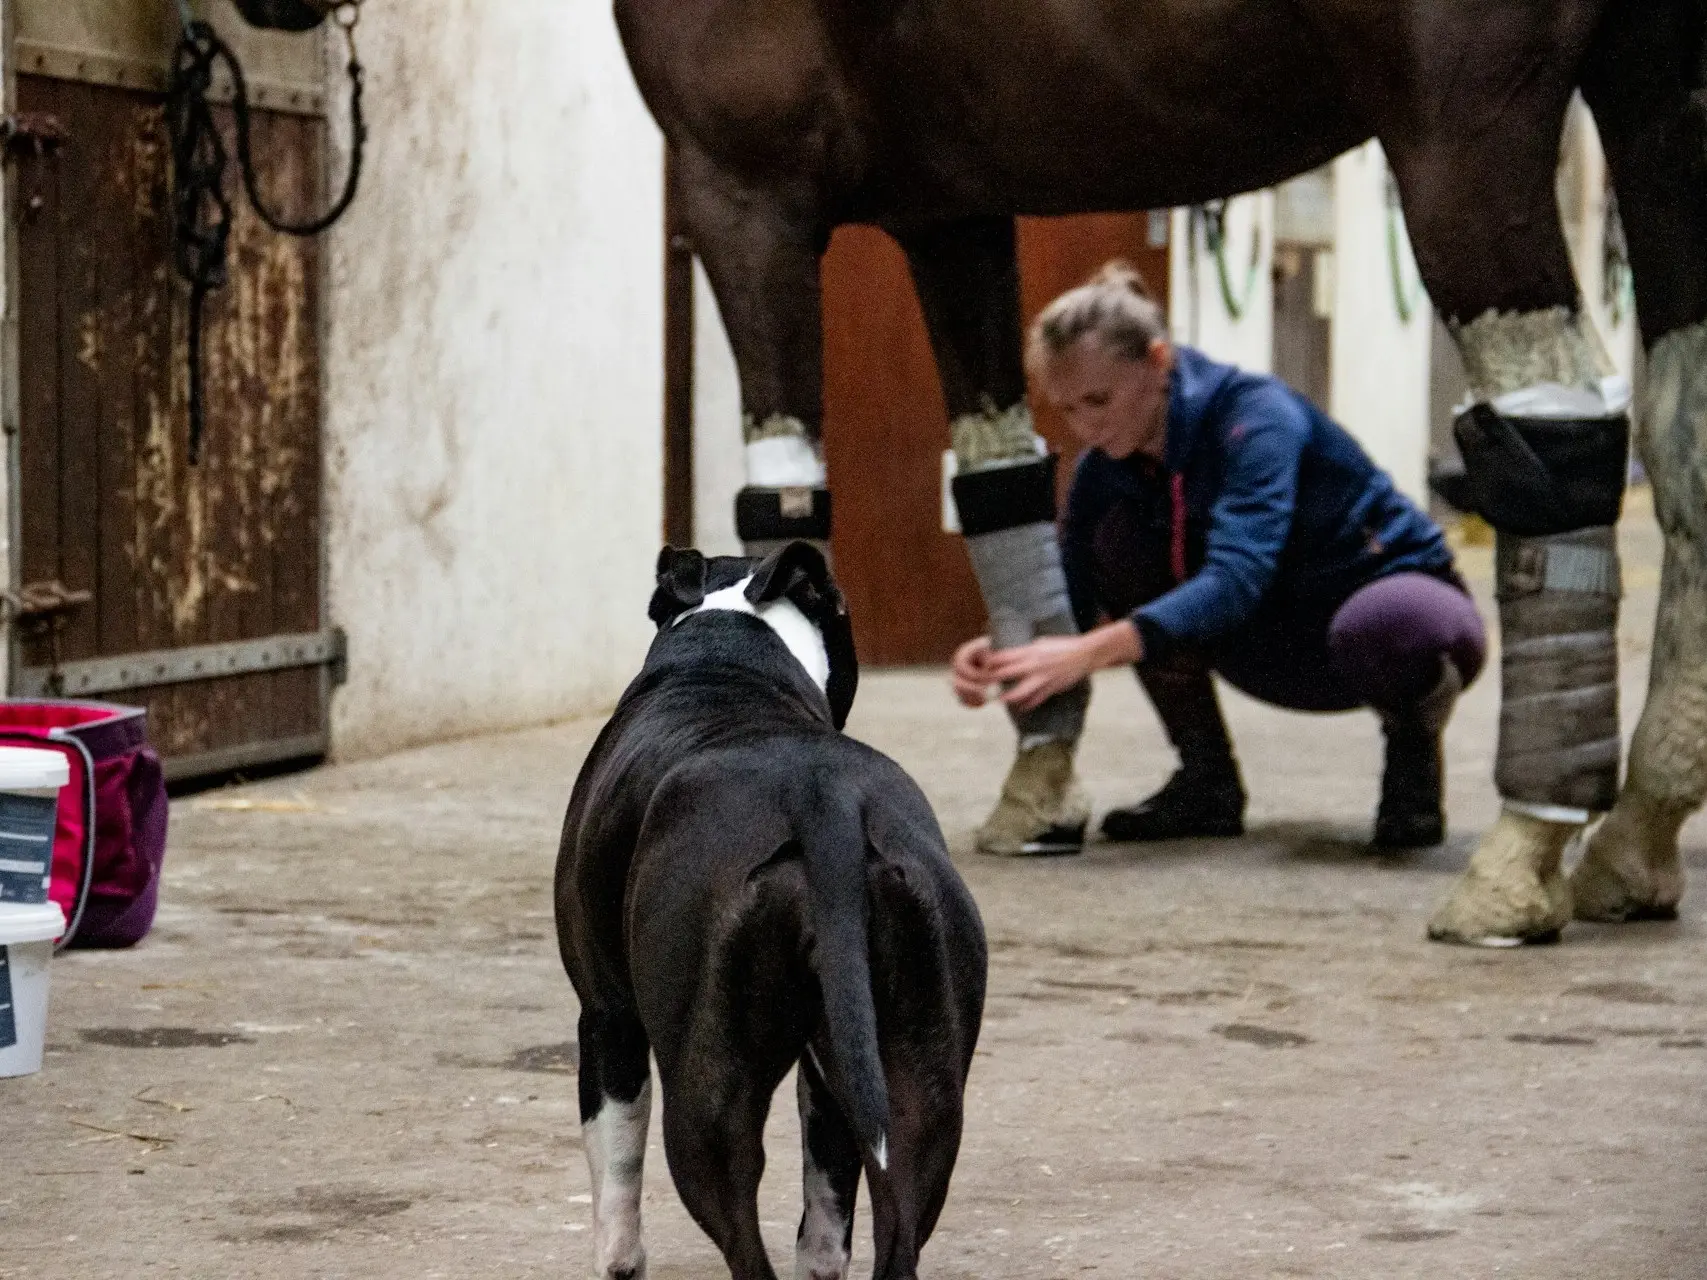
1110,402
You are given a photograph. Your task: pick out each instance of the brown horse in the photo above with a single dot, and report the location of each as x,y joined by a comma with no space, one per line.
940,120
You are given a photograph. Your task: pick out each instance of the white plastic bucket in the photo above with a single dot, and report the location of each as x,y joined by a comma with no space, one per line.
26,951
30,780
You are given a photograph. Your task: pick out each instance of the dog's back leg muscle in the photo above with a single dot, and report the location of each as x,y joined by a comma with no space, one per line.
830,1179
928,959
616,1108
714,1138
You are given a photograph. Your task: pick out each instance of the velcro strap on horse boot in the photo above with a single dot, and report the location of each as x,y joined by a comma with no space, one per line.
1542,475
1006,496
780,515
1559,743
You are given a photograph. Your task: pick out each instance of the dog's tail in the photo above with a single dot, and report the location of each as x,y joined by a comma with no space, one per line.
840,916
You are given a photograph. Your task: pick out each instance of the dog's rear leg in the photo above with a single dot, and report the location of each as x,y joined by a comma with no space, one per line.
616,1108
924,1138
714,1137
831,1165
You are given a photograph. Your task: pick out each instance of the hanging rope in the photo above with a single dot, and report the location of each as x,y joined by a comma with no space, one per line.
1213,215
201,209
1405,297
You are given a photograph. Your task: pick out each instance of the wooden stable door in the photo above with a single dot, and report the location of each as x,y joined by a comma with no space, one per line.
204,583
909,584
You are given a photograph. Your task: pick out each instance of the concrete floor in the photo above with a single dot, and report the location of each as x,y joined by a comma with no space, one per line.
347,1050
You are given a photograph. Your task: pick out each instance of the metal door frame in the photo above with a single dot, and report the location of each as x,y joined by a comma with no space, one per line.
10,386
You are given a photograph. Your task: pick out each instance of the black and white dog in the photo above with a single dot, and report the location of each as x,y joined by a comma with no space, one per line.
741,888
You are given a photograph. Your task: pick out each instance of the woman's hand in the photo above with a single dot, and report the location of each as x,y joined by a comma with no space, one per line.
971,672
1038,671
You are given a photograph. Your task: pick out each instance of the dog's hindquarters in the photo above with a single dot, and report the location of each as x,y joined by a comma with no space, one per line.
900,961
928,966
717,951
768,926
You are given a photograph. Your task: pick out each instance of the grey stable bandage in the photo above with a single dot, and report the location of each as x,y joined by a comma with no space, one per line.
1559,743
1005,485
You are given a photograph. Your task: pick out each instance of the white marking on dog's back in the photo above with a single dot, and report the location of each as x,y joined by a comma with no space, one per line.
792,627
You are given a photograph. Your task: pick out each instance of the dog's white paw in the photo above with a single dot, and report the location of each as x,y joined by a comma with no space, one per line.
819,1255
632,1267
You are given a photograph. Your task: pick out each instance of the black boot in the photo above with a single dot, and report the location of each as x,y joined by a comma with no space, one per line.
1205,796
1413,782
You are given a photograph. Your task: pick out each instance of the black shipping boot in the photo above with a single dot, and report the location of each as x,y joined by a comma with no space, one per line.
1205,796
1413,782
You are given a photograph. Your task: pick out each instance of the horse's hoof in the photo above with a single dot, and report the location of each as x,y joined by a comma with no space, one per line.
1514,892
1632,870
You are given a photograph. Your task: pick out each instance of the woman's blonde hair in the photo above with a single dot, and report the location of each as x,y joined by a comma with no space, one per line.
1115,304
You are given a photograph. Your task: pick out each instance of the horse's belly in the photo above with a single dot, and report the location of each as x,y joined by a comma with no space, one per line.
1016,106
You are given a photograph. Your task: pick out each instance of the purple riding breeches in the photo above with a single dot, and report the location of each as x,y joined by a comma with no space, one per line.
1381,647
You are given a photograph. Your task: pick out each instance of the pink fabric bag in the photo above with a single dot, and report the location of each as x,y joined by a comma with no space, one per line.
110,842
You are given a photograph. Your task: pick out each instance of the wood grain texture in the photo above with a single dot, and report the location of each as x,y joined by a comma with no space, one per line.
174,555
909,586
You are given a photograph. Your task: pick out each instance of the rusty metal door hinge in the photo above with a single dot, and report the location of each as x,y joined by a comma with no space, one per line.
30,133
41,611
41,607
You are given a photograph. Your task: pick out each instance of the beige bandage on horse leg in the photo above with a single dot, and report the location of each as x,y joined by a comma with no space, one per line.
1632,869
1558,749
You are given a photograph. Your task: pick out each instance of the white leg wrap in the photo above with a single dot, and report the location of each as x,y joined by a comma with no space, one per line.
615,1141
781,454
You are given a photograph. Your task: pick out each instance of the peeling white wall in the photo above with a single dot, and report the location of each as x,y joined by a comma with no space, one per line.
493,375
1380,360
1197,309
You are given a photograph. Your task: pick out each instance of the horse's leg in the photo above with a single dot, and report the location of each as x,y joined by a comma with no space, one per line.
967,277
1638,84
1483,215
760,247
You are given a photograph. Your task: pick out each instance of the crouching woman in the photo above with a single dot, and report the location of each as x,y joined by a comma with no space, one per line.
1228,525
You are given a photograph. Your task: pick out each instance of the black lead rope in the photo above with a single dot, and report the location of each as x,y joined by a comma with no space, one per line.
201,209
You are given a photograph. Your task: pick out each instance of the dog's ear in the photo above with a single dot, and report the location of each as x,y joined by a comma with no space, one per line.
780,575
799,574
681,585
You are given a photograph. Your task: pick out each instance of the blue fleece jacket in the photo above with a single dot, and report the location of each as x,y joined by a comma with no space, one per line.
1285,513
